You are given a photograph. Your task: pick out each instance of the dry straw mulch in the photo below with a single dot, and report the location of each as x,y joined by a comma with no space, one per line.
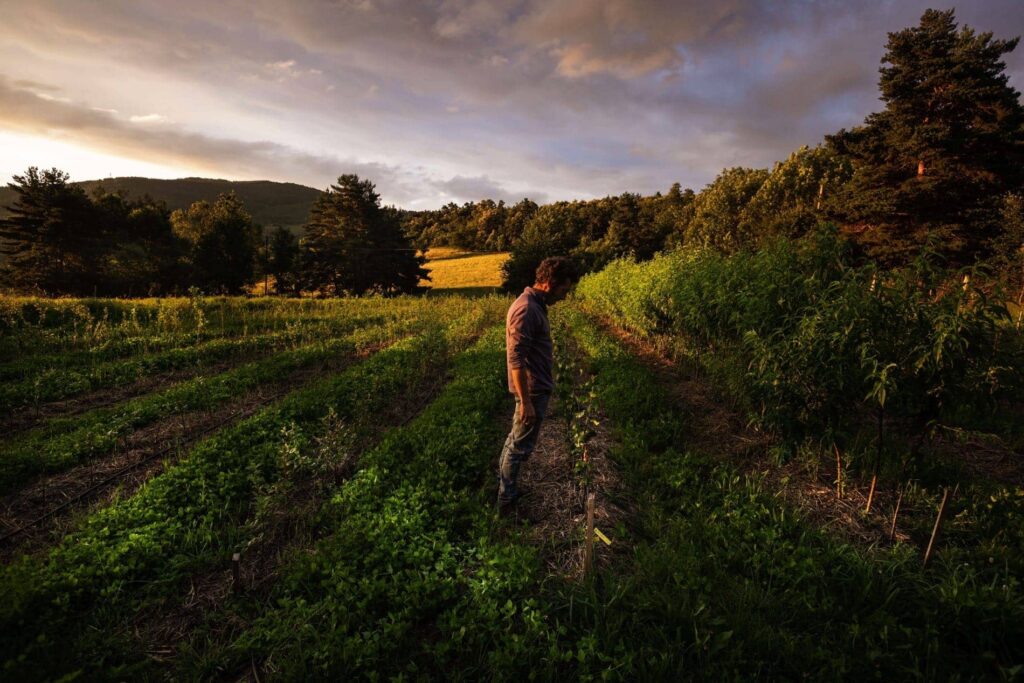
555,511
718,429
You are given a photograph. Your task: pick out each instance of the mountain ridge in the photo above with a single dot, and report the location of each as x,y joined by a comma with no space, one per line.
269,202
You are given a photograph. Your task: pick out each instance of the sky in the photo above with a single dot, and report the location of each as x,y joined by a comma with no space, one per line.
445,100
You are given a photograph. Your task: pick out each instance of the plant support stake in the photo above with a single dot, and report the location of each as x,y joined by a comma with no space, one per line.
236,572
839,474
871,492
938,524
588,546
895,514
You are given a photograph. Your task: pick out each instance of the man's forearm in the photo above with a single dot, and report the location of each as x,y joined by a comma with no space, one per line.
521,383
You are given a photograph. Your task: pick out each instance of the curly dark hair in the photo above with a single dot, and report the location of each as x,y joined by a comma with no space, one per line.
557,269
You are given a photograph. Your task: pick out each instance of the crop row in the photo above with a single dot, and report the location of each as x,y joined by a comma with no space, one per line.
142,341
70,379
819,348
189,517
62,443
727,580
109,328
414,578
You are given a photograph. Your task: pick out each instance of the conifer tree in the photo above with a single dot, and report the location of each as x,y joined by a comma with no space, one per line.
946,148
352,245
52,239
283,258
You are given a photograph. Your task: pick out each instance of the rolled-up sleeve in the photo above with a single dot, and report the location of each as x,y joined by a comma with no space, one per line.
519,336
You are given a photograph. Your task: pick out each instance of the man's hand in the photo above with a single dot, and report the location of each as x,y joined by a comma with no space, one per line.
527,413
521,382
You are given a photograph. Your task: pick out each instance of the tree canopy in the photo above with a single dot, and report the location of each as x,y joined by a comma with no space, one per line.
353,245
221,243
946,148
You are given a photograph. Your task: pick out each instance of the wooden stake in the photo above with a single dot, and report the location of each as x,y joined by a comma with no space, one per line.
895,514
938,524
236,572
871,492
839,474
588,546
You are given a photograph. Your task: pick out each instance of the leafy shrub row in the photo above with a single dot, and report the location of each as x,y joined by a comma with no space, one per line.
815,344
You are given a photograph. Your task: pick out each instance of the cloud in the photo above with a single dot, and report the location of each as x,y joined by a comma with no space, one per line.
145,118
20,110
470,189
36,86
51,98
576,97
281,66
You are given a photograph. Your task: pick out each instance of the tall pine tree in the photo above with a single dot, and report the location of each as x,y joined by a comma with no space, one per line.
352,245
941,155
52,238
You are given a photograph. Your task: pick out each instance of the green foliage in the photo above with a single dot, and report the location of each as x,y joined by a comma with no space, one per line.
66,441
221,239
815,342
723,579
352,245
790,201
50,238
593,233
948,145
479,226
1008,250
188,518
141,252
283,259
413,578
719,206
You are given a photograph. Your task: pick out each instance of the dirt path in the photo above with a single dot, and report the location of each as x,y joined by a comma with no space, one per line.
555,510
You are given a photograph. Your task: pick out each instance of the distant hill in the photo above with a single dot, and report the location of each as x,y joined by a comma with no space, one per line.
269,203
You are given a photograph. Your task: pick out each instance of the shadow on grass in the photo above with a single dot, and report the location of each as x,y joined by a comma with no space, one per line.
462,255
470,292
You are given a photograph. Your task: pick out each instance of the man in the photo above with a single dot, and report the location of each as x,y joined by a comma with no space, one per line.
529,355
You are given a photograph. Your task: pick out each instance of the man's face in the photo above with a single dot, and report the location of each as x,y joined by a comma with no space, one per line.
558,291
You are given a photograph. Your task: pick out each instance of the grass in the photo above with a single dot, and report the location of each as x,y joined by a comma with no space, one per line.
454,269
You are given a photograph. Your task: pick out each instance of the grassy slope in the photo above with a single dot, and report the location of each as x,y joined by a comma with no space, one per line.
452,269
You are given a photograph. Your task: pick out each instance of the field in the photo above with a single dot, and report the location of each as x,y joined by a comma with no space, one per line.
454,270
273,489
